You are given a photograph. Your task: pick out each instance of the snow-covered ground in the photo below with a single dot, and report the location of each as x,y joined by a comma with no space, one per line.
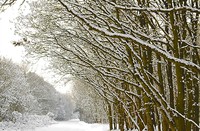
25,122
73,125
46,125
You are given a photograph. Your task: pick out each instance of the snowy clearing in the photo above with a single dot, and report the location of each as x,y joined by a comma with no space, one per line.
73,125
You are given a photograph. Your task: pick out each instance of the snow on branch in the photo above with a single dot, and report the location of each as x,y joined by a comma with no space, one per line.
134,39
138,8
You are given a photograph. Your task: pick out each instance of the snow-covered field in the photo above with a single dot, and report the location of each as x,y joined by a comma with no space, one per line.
73,125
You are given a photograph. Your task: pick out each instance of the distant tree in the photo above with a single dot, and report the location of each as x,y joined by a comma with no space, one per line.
28,93
14,90
48,98
88,102
64,107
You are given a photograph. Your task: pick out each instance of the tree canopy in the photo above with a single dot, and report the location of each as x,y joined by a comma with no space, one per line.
142,56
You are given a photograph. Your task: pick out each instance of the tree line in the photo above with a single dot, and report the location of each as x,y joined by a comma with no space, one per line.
141,56
27,93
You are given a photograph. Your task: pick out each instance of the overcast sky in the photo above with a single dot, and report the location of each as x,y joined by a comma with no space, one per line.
7,35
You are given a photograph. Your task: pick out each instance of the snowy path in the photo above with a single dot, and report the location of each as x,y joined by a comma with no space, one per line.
73,125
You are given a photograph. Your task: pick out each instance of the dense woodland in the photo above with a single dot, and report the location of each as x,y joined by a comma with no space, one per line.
88,103
141,56
27,93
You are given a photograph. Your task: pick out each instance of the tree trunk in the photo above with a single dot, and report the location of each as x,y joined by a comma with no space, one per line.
110,116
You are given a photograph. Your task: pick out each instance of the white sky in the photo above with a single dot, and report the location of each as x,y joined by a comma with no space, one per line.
7,35
17,54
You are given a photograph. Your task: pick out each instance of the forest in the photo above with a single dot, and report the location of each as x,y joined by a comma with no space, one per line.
26,92
26,98
139,58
